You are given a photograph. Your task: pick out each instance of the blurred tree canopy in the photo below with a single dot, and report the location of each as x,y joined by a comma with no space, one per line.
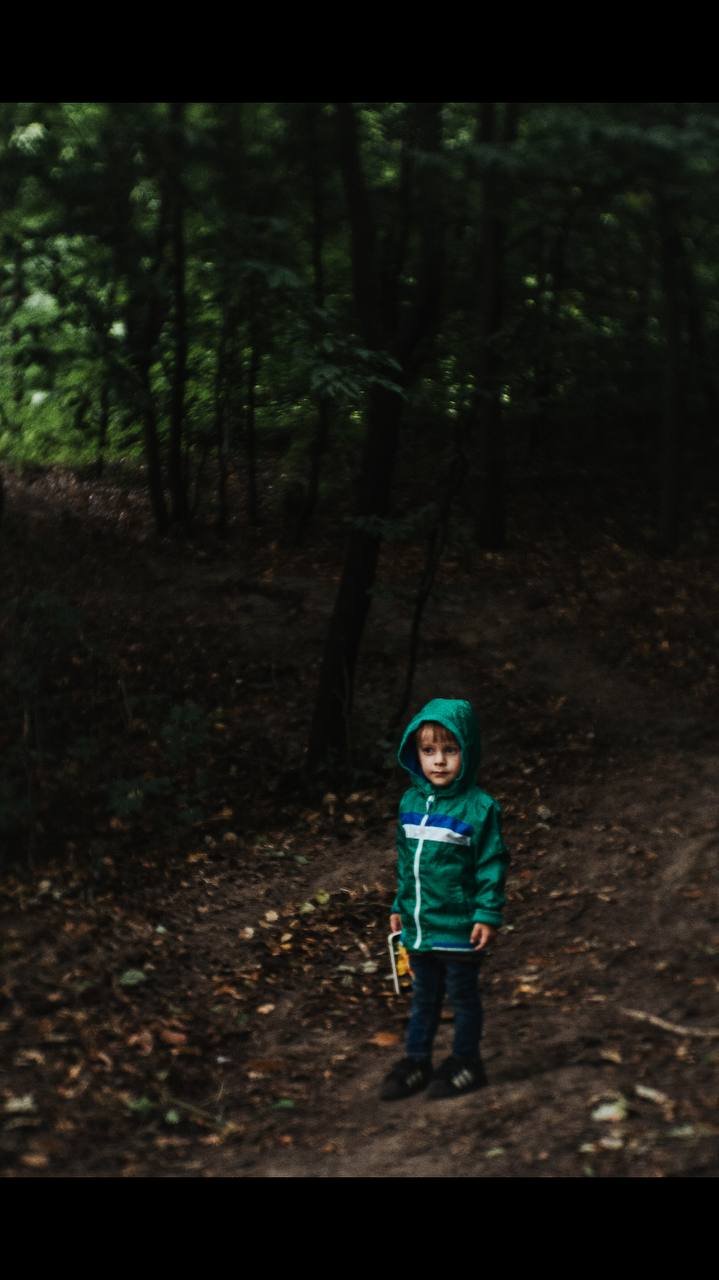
300,296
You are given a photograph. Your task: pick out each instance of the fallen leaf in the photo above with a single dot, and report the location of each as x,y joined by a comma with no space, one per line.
26,1056
132,978
143,1040
248,932
35,1160
652,1095
611,1112
265,1008
21,1104
168,1036
141,1105
384,1039
610,1055
272,916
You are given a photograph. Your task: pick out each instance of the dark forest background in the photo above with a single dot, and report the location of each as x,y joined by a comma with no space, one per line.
309,411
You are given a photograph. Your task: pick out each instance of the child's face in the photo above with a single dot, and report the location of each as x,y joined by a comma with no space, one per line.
439,755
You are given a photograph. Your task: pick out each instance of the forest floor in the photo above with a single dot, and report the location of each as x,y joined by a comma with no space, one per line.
205,992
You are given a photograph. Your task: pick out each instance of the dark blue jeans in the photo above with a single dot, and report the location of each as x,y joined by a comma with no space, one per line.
434,973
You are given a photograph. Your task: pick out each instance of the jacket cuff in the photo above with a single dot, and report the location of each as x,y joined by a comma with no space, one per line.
488,917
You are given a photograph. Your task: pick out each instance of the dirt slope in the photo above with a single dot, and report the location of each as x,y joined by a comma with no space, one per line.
255,1038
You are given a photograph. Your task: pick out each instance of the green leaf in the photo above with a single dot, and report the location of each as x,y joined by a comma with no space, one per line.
611,1111
172,1116
132,978
283,1104
141,1105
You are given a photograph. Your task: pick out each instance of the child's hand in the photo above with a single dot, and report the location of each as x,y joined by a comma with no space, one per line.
395,923
482,935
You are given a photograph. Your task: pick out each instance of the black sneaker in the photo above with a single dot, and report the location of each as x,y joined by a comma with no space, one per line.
455,1076
406,1077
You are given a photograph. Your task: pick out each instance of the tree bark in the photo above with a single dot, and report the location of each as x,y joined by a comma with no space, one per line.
176,469
670,477
330,732
376,280
490,519
221,433
250,434
320,437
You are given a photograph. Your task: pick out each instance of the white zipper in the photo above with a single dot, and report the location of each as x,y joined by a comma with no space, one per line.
418,851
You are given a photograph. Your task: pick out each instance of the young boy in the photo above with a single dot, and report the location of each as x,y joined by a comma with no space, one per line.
451,865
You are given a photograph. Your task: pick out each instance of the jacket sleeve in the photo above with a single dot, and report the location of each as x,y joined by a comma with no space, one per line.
490,869
401,862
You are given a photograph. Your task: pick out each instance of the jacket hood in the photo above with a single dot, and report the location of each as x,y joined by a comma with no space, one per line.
457,715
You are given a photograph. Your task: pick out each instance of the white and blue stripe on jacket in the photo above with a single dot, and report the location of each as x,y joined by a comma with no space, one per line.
440,827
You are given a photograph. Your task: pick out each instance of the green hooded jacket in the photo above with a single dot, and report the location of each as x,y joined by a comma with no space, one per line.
451,859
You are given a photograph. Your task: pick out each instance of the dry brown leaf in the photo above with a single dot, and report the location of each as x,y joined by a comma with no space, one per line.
35,1160
172,1037
384,1039
265,1008
143,1040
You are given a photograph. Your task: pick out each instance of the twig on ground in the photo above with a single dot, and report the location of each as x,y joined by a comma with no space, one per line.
711,1033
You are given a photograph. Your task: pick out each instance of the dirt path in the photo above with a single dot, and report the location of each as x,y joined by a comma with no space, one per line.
619,931
228,1011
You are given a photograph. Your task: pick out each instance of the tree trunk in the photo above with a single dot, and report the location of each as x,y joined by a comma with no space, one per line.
490,520
670,479
152,452
250,435
221,434
104,424
320,438
330,734
376,280
176,469
18,297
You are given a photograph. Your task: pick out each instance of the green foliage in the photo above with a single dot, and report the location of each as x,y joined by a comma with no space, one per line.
127,797
41,629
185,734
171,797
89,312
